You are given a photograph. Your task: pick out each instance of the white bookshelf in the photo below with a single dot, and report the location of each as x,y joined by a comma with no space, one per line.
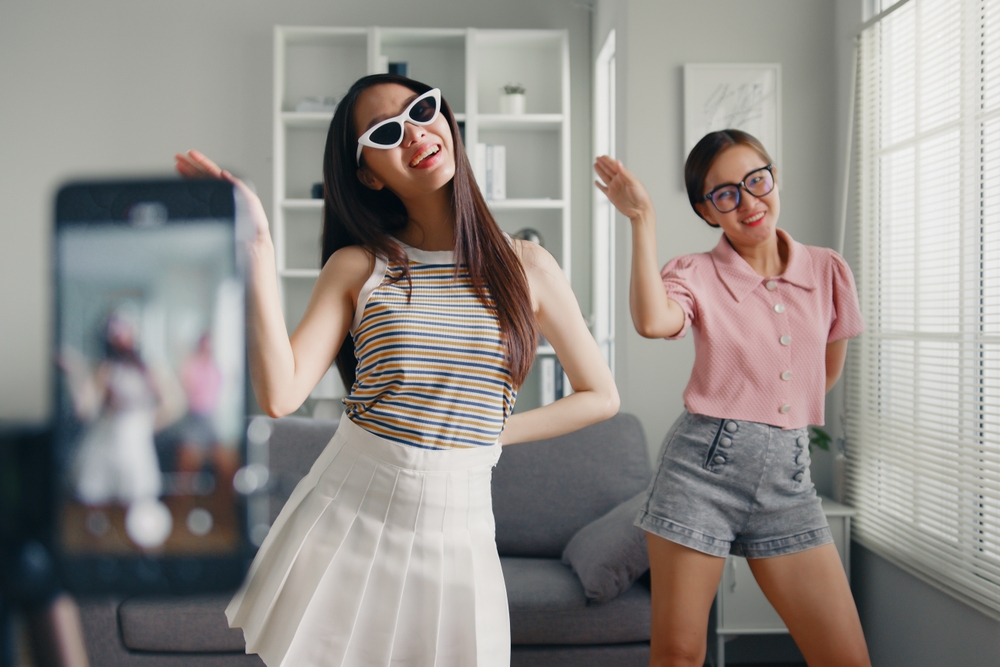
470,66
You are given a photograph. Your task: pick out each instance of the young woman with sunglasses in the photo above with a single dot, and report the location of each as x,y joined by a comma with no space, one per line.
771,319
385,552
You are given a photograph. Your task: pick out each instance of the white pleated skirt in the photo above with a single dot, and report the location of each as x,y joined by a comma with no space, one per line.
383,555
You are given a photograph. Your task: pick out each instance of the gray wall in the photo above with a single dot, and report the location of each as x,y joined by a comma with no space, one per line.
117,87
907,622
911,624
655,39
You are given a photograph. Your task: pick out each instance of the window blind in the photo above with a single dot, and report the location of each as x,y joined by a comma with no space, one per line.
922,396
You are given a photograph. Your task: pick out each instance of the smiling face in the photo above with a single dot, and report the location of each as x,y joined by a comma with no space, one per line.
424,162
755,219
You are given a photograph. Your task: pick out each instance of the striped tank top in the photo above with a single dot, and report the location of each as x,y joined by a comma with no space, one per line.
431,368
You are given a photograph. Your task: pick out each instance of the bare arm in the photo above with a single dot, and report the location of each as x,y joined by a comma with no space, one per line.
87,388
283,369
836,353
654,314
595,396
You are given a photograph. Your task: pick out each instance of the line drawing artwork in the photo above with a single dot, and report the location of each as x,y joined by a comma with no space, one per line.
739,96
734,105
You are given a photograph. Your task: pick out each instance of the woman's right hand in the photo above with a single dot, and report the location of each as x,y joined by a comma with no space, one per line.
194,164
654,314
622,188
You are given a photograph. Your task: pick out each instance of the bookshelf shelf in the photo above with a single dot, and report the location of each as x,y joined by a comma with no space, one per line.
470,66
524,204
309,119
302,204
300,273
532,121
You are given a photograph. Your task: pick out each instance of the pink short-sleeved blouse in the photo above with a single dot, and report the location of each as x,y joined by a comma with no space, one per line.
760,343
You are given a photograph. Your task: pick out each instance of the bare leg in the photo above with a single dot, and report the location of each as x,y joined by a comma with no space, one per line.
57,634
684,582
810,592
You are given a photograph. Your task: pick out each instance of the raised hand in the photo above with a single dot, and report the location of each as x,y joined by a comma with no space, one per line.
194,164
622,188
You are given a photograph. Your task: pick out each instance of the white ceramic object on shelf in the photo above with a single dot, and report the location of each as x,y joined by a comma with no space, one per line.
513,103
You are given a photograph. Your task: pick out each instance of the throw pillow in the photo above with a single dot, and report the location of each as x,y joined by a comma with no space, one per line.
609,553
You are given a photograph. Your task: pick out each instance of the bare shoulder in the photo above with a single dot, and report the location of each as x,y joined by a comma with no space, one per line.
546,280
349,266
537,261
350,262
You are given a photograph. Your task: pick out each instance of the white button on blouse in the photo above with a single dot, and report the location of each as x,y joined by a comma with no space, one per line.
787,375
786,340
771,285
779,307
785,409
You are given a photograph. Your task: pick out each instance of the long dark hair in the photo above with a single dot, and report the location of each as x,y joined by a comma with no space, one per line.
354,214
702,157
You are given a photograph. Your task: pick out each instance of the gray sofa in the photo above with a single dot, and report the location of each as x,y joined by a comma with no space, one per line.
543,493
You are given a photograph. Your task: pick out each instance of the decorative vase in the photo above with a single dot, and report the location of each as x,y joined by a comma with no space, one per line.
513,103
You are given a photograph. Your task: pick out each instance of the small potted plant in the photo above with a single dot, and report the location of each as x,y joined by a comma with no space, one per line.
513,100
823,440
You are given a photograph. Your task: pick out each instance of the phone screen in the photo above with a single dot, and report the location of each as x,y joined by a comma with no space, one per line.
150,373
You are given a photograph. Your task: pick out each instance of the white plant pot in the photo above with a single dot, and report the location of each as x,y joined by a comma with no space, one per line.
513,103
839,477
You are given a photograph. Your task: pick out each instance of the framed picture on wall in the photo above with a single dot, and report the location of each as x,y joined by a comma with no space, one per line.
719,96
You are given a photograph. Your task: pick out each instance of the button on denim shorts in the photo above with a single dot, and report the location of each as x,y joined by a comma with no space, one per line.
735,487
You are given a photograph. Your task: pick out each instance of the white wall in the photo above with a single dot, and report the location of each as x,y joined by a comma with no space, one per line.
117,87
659,37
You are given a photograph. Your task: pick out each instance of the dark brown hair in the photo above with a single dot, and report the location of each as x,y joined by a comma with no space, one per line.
703,156
354,214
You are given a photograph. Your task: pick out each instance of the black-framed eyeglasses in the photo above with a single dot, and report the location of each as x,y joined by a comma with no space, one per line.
726,197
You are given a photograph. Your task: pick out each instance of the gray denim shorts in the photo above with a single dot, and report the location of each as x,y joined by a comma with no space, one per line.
735,487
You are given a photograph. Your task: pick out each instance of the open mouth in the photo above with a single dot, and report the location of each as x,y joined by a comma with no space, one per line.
754,219
424,154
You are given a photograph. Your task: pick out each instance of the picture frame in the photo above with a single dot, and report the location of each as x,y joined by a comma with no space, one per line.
741,96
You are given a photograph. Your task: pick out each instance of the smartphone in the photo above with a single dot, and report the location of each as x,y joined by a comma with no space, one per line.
149,441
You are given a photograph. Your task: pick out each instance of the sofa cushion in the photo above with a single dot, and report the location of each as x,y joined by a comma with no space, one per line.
548,606
295,444
545,491
194,624
613,655
609,553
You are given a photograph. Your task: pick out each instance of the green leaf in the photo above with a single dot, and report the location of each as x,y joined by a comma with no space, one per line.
819,438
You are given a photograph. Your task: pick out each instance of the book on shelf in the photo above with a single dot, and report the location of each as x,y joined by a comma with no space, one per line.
490,170
552,379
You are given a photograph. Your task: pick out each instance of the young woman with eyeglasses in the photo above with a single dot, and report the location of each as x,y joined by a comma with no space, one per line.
771,319
385,552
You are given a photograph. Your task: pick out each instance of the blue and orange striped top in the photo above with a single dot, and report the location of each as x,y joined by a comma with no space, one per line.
431,366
